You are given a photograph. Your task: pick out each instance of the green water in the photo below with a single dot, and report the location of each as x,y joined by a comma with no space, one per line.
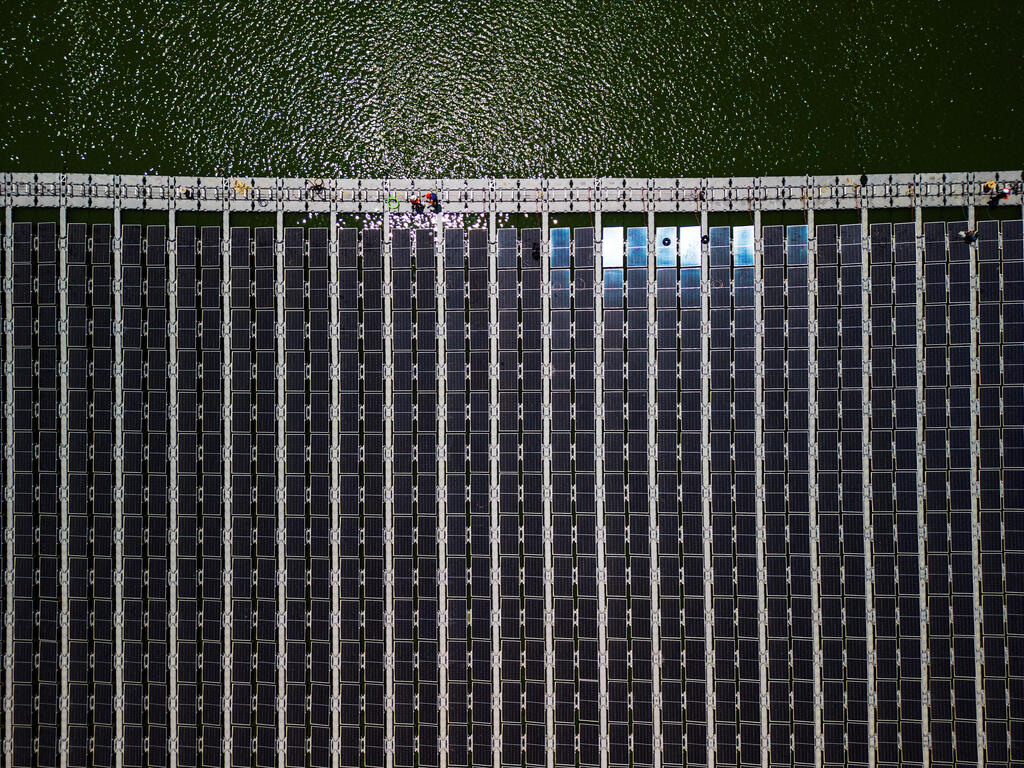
536,87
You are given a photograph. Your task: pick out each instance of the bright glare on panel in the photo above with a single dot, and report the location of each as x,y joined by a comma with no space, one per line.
613,247
689,246
665,245
743,245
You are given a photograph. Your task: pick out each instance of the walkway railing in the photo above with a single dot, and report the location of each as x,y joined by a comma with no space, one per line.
823,192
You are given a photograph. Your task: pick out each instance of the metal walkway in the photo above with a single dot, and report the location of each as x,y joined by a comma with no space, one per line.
507,195
652,495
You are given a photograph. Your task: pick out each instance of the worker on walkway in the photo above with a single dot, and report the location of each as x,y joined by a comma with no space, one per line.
417,205
1000,194
969,236
435,204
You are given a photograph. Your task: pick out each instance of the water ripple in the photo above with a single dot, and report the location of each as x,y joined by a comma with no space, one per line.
536,87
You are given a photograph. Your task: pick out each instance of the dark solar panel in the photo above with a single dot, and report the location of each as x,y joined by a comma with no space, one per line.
119,407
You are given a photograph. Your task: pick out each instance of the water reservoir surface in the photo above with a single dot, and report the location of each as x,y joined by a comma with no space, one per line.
531,87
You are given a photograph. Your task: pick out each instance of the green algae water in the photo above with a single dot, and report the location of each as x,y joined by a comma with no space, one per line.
465,88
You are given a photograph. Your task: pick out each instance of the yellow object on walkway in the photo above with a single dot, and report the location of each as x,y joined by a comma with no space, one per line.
241,187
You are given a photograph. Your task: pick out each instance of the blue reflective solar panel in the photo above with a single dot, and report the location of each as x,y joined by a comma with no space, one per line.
796,244
560,281
665,246
636,255
743,246
689,278
613,287
560,247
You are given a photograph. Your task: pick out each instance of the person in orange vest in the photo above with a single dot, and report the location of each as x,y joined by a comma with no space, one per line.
435,204
417,206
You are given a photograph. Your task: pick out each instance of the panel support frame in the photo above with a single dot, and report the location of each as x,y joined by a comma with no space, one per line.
866,500
493,486
979,668
652,493
441,375
226,488
279,370
705,449
172,488
389,497
600,531
65,523
814,530
118,488
922,544
759,489
8,285
335,417
546,494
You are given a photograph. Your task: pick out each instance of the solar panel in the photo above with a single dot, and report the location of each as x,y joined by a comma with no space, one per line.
280,394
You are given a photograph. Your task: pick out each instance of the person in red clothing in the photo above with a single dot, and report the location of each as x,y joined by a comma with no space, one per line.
1000,194
417,206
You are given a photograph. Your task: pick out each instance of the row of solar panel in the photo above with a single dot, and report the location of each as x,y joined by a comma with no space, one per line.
621,246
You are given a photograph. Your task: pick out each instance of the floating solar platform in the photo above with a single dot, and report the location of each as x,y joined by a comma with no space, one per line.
655,495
